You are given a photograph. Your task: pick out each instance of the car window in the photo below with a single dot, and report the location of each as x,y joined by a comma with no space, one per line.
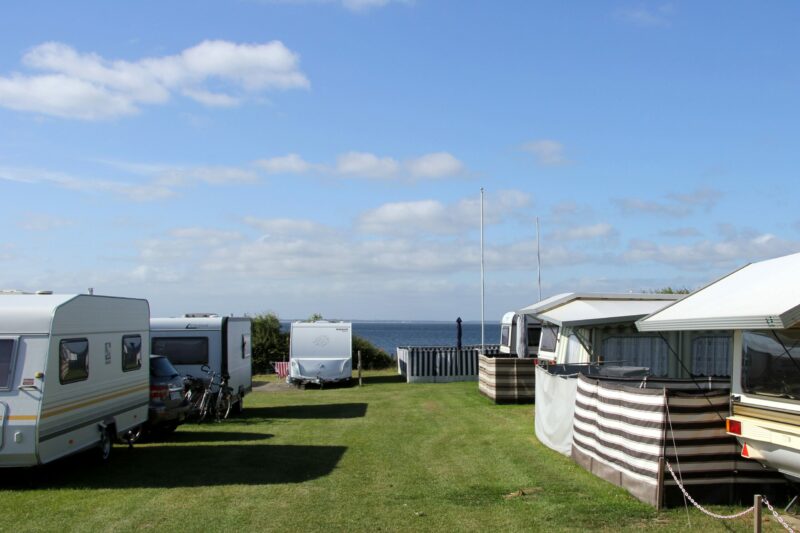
160,367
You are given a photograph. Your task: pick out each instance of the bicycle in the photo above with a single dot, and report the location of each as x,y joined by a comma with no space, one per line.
209,396
224,400
194,392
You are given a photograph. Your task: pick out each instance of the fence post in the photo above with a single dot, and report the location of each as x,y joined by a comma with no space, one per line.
359,368
757,513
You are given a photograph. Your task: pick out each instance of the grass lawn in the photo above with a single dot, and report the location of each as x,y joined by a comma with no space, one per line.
385,457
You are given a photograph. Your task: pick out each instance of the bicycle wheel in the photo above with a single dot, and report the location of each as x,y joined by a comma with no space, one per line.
194,397
224,406
205,406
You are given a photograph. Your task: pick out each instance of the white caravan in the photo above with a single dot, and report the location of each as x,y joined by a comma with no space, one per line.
223,343
320,351
74,374
509,334
761,304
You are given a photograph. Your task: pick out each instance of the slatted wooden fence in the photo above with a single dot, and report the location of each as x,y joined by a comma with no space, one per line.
441,364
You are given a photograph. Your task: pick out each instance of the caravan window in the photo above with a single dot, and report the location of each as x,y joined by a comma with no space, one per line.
131,352
6,362
182,350
547,343
771,363
246,347
505,334
73,360
534,332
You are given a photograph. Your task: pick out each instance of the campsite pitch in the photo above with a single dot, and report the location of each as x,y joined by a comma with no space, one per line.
384,457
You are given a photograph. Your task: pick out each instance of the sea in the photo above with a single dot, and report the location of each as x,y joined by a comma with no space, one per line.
388,335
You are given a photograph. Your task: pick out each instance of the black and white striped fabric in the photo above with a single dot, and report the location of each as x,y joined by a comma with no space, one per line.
623,434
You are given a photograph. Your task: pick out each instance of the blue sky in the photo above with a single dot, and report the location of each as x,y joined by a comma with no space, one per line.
327,155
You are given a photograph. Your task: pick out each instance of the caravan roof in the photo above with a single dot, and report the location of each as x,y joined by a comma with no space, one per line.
187,322
583,309
31,313
763,295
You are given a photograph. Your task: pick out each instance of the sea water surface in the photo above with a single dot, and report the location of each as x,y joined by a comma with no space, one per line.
388,335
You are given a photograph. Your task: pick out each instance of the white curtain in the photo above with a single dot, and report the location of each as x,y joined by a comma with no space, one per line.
522,336
711,355
637,350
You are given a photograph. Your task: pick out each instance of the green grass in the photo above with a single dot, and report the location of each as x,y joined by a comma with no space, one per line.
385,457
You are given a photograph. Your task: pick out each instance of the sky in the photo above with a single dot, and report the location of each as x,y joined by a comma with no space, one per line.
327,156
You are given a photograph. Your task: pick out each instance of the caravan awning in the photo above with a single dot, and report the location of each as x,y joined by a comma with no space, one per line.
764,295
582,309
594,312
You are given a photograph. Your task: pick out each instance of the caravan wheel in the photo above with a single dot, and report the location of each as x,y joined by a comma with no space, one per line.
105,445
238,408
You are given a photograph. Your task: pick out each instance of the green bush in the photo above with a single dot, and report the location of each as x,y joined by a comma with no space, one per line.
372,357
269,342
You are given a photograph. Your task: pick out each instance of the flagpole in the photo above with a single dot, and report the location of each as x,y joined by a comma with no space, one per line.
538,259
482,279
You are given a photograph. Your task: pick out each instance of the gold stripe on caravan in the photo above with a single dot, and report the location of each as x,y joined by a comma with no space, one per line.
104,397
763,413
21,417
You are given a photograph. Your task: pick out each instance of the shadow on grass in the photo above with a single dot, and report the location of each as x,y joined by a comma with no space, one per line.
162,466
373,380
206,436
328,410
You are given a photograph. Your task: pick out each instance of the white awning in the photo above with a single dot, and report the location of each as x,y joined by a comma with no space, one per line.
585,312
764,295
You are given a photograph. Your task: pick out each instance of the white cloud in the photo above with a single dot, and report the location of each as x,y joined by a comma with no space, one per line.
362,5
43,222
647,16
89,87
356,6
287,164
63,97
680,232
212,175
286,227
367,165
212,99
546,151
594,231
732,251
434,217
159,188
675,204
435,165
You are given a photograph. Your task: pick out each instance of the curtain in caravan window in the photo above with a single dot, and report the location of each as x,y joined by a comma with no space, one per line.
573,353
131,352
711,355
637,350
6,354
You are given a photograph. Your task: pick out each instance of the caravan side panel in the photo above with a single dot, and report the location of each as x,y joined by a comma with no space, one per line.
86,383
19,409
238,354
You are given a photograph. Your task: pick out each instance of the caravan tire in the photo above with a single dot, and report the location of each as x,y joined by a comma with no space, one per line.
105,445
238,409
